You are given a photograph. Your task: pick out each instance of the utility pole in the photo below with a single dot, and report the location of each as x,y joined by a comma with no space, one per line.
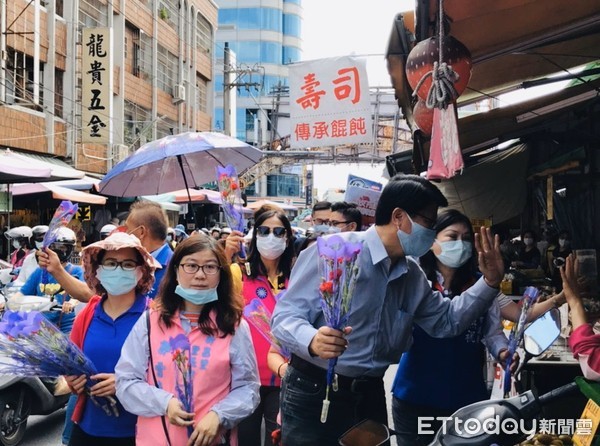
227,91
229,82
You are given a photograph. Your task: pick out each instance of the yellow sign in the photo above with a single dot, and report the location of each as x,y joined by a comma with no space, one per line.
84,213
587,424
479,222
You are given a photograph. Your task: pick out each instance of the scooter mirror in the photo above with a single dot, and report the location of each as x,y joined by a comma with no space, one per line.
542,332
365,433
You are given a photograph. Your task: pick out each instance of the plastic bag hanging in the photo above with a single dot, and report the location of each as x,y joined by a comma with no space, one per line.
445,156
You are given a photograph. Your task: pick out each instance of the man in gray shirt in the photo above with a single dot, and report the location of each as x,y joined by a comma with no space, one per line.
391,294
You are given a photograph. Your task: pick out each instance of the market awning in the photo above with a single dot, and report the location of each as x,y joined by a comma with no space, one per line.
482,191
181,196
58,193
59,170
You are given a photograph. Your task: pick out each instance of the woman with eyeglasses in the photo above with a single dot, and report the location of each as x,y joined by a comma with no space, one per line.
194,333
121,273
264,275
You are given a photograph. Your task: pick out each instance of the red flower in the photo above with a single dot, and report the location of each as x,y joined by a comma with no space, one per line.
326,287
234,185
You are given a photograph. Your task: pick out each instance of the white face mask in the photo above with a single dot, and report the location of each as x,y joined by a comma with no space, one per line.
528,241
455,253
39,245
16,244
271,247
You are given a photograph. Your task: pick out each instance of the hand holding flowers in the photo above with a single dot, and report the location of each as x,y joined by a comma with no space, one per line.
231,197
338,266
30,345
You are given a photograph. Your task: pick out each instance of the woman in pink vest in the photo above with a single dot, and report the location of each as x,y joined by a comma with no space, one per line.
263,277
188,369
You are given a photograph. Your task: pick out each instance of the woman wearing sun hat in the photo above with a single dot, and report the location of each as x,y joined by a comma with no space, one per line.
120,271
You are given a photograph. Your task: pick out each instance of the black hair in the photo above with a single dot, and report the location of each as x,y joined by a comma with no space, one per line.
228,307
350,212
408,192
257,267
321,206
464,274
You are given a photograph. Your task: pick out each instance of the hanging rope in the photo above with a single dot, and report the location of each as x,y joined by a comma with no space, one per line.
443,77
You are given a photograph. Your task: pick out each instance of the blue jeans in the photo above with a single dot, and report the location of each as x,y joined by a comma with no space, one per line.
249,429
66,433
406,422
301,402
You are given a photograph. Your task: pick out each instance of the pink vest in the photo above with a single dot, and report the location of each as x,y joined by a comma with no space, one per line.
211,380
261,288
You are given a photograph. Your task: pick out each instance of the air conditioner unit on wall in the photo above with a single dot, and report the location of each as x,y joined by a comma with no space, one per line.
178,93
120,152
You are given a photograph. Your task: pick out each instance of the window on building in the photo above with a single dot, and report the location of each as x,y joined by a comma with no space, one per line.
292,25
168,10
283,185
204,34
58,93
132,50
165,127
19,79
167,69
202,93
137,127
92,13
59,7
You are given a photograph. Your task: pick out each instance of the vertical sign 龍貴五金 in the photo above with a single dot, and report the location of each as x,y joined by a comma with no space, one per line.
96,84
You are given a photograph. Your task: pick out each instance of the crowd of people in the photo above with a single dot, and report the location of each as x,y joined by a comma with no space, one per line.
161,310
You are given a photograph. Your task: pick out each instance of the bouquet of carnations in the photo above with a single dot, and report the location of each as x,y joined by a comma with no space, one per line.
180,348
260,317
339,271
231,197
30,345
516,334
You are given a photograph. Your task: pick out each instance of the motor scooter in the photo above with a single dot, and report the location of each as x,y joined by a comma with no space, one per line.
21,396
484,423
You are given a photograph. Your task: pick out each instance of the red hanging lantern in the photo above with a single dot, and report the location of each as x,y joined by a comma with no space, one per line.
425,53
423,117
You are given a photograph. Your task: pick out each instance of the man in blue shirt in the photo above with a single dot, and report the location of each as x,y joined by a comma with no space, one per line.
391,294
148,222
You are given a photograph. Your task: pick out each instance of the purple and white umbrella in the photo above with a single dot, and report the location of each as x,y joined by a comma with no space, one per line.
177,162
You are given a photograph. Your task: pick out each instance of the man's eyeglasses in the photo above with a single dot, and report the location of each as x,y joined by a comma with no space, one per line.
320,221
428,221
126,265
263,231
192,268
338,223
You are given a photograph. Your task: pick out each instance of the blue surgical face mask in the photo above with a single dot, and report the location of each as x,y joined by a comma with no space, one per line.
118,281
39,245
455,253
197,297
334,230
321,229
418,242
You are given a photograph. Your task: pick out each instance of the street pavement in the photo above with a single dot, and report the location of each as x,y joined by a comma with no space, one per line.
44,430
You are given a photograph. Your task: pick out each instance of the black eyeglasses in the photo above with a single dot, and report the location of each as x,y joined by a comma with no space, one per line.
337,223
192,268
263,231
320,221
429,221
126,265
